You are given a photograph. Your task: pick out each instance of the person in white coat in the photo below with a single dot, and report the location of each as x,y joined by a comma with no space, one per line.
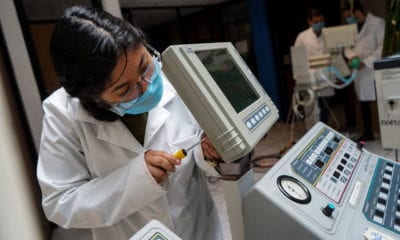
312,40
368,48
105,166
311,37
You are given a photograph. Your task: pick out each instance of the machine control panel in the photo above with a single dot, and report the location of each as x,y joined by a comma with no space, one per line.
328,163
326,187
382,205
257,117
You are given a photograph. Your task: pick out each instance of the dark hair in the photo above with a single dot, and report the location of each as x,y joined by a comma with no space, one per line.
356,6
313,12
85,47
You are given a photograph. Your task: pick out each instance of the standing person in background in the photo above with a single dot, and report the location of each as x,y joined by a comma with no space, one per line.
368,48
311,39
105,159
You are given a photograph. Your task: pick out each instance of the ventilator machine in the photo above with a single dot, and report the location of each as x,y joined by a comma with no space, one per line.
325,187
318,75
387,79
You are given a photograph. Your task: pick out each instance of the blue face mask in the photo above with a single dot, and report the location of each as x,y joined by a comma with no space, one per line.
351,20
145,102
317,27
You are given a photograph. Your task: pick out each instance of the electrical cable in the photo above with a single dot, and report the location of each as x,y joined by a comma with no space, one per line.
257,163
297,102
310,100
332,114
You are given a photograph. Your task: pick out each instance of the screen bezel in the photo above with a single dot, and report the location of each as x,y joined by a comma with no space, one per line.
339,36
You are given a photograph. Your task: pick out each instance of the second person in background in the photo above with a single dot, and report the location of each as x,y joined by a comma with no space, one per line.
311,39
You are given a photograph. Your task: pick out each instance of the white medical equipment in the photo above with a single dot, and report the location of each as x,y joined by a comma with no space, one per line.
223,95
320,72
325,187
387,79
336,40
155,230
339,36
230,105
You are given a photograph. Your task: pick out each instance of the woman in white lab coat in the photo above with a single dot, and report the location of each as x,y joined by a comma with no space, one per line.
105,162
368,48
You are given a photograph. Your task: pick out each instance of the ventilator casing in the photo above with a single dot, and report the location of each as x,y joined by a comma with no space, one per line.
362,187
222,94
387,79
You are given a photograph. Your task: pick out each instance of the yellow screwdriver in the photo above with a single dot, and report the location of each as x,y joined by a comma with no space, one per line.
181,153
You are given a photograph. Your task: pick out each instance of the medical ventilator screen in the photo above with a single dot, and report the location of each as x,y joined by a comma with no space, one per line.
229,78
222,94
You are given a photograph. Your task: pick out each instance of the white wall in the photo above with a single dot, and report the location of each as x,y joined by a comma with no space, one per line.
19,213
19,216
22,67
113,7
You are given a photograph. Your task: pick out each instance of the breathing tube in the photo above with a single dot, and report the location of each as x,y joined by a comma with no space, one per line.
355,63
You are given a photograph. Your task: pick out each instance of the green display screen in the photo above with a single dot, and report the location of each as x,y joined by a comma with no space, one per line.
228,77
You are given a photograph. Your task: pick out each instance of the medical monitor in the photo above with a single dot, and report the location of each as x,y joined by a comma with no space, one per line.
228,77
339,36
222,94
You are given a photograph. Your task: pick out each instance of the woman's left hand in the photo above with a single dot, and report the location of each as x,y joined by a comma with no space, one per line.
209,150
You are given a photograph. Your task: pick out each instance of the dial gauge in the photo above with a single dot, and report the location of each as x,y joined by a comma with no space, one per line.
293,189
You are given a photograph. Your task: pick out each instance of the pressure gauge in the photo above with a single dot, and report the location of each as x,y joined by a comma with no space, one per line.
294,189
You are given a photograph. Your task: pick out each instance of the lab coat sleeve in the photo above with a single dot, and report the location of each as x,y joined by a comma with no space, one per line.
208,170
378,30
299,41
71,197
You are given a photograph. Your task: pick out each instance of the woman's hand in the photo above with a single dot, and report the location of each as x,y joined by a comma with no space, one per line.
209,150
159,162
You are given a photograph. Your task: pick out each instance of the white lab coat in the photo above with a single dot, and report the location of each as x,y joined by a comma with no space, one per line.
314,46
93,174
368,48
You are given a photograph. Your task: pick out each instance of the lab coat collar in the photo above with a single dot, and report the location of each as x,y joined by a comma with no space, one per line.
313,34
158,115
117,133
367,20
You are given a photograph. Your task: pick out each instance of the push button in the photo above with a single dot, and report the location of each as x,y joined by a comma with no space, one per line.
328,210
